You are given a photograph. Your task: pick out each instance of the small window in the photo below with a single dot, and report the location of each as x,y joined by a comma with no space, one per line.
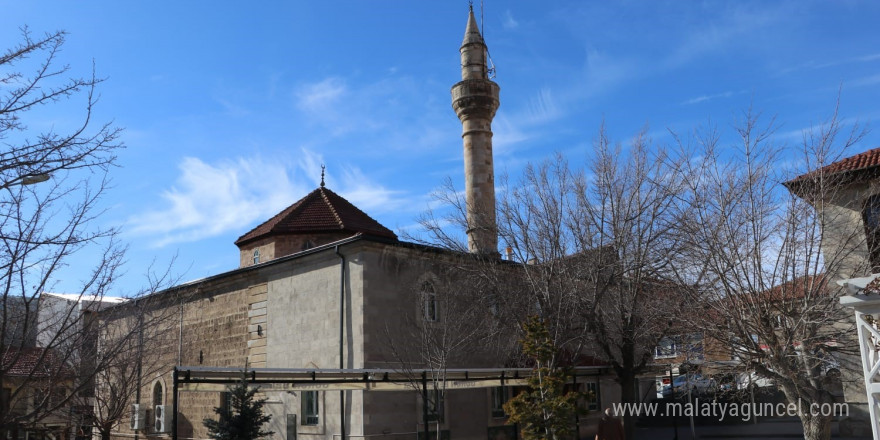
499,398
57,396
291,427
308,244
157,394
256,256
39,399
436,407
668,347
310,415
871,217
5,396
225,403
592,388
429,298
692,345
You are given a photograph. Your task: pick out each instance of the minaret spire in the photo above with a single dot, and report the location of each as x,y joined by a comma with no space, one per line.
475,100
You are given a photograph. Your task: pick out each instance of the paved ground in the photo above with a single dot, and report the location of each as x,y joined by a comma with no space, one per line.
775,429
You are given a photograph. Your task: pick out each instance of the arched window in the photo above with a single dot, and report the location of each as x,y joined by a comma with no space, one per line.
256,256
157,394
871,217
429,299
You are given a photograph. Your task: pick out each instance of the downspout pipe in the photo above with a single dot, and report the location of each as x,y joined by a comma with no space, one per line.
140,356
341,337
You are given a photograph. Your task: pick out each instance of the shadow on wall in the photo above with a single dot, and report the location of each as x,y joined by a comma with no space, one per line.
184,426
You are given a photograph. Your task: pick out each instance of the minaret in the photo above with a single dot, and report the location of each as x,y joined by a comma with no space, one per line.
475,100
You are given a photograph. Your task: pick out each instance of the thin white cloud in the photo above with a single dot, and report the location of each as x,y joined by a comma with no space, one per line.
209,199
509,22
867,58
865,81
368,195
734,25
506,134
542,107
705,98
814,65
342,108
604,73
231,108
321,96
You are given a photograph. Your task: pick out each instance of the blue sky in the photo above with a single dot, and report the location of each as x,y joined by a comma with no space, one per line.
229,109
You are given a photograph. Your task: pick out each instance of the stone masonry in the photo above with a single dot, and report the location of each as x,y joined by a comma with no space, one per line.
475,100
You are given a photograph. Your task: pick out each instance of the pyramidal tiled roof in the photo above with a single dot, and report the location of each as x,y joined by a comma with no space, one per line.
859,162
321,210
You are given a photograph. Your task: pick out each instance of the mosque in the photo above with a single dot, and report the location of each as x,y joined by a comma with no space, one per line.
310,307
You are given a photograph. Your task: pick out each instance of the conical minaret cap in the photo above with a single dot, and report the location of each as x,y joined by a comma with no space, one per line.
472,32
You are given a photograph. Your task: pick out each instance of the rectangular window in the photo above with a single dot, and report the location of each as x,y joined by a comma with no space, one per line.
429,299
436,407
309,403
668,347
4,400
40,400
225,401
693,346
593,398
499,398
57,396
291,427
871,218
430,308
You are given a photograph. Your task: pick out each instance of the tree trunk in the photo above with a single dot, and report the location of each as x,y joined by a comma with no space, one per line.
816,427
628,395
105,433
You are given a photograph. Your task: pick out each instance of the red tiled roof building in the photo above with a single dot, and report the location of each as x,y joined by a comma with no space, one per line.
319,218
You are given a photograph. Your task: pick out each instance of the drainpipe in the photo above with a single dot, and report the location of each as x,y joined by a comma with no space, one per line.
140,354
341,337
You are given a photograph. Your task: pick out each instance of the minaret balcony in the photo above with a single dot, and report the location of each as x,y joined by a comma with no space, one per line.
475,97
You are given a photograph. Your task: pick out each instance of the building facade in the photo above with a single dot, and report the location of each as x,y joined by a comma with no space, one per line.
323,286
846,193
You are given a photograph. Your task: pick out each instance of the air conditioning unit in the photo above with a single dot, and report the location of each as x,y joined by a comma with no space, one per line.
311,420
138,417
163,419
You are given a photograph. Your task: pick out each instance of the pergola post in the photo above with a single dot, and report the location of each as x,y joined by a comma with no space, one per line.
865,306
174,405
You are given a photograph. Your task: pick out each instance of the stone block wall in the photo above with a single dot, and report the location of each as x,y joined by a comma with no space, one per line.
278,246
212,330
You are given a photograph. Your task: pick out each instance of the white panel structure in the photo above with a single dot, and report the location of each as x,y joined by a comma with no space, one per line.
866,308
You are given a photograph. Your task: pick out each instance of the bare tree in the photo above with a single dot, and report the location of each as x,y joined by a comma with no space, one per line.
597,249
447,323
51,184
606,247
756,247
120,358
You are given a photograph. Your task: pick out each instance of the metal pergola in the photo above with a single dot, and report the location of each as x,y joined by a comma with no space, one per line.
216,379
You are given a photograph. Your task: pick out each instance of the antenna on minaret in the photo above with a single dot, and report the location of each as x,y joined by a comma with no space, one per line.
490,69
482,25
322,175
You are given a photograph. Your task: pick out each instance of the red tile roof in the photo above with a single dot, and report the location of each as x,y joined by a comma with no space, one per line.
859,162
321,210
33,362
813,285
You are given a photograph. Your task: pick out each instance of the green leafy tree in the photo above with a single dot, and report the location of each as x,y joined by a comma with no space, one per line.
544,411
242,418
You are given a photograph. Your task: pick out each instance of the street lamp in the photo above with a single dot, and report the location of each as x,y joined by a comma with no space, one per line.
31,179
28,179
